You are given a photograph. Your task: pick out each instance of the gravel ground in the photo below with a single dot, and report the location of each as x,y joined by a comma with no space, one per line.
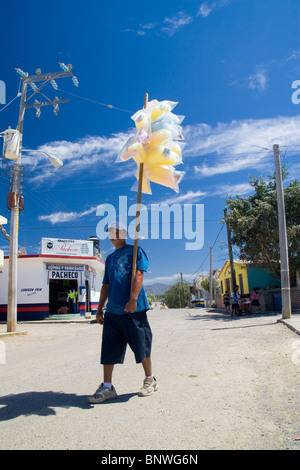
224,383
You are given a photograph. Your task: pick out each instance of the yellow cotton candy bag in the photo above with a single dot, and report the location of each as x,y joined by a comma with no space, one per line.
127,151
137,152
159,137
162,155
158,108
164,175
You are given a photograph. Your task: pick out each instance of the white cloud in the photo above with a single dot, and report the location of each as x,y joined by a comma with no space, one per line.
60,217
147,26
257,81
175,23
188,197
224,149
293,55
172,25
88,150
265,72
88,154
241,189
235,146
209,150
142,29
206,8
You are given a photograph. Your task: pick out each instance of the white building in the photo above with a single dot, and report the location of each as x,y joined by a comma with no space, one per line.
65,278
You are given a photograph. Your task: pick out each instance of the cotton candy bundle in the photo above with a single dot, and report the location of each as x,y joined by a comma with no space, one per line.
158,145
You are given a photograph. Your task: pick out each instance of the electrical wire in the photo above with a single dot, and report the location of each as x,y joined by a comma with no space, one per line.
17,96
96,102
246,143
50,206
216,239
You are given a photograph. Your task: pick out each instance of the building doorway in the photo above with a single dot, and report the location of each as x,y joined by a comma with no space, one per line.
63,296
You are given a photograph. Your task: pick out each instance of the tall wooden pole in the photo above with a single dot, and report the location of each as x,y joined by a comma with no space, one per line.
233,278
138,213
283,241
12,299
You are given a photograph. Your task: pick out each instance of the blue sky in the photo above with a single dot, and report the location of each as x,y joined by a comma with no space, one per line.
229,64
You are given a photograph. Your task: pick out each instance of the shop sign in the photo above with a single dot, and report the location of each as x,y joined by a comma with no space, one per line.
64,272
66,247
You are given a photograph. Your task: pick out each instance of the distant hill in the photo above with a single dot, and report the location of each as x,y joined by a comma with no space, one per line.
156,289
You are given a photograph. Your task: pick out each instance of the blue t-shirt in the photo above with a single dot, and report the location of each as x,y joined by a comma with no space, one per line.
117,275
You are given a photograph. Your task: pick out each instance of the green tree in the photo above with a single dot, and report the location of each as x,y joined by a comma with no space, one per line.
176,295
253,222
206,284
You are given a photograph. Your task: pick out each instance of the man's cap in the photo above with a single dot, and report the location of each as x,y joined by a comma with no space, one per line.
117,225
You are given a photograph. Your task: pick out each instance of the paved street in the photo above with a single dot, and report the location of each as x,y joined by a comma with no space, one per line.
224,383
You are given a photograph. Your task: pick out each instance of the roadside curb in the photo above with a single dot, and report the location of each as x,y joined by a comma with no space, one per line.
13,333
294,325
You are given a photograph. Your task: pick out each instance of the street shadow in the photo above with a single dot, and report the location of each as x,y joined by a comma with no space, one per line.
209,316
240,327
222,316
120,398
45,403
39,403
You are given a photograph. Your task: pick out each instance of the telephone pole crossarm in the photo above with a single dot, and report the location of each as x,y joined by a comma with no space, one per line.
48,103
46,76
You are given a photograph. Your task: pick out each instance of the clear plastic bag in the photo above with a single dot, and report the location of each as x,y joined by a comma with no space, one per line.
142,120
126,152
160,108
175,129
166,154
164,175
146,187
157,144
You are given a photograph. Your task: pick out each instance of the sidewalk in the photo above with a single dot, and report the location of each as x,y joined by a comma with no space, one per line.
293,323
21,330
21,326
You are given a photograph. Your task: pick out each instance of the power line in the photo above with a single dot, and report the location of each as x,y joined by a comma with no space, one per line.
171,222
246,143
209,251
96,102
17,96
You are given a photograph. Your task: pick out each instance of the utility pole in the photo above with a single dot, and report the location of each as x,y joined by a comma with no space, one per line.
182,290
284,258
14,195
14,225
233,279
210,279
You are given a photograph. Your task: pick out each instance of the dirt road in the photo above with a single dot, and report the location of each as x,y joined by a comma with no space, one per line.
224,383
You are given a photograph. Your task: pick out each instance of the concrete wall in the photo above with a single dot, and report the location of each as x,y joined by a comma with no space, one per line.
269,300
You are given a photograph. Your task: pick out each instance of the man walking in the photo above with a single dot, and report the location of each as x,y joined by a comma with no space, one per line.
125,320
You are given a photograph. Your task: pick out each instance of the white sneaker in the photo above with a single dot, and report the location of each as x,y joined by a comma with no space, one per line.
149,387
102,394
